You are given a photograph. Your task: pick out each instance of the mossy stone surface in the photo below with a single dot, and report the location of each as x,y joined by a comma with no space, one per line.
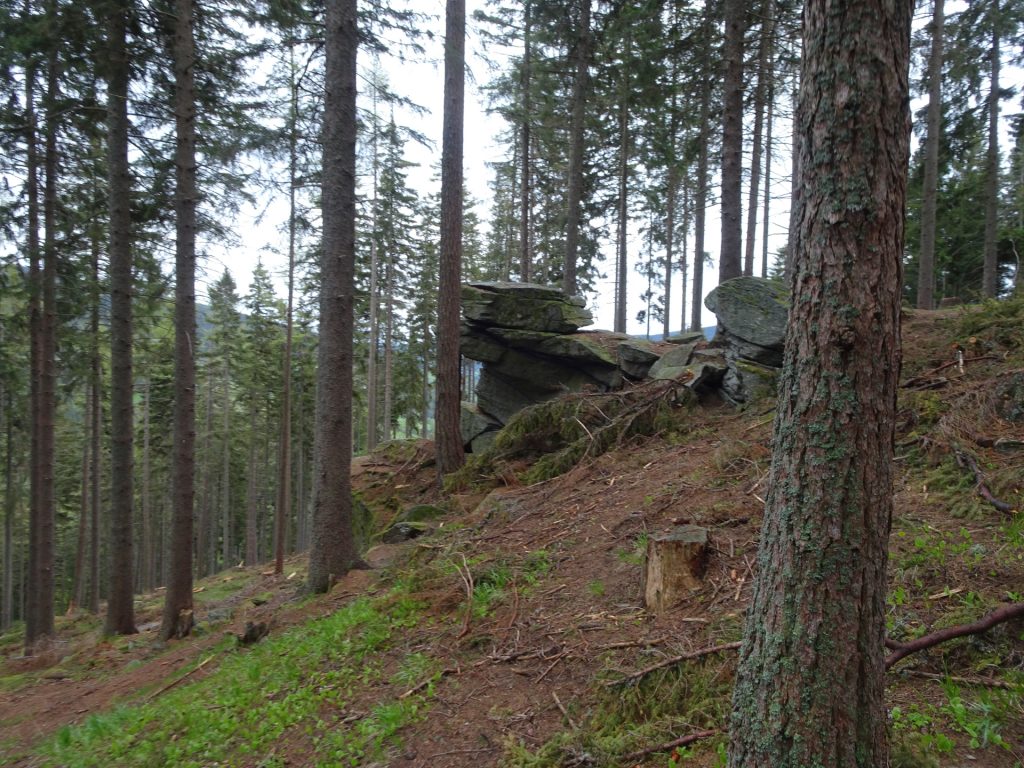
522,310
753,309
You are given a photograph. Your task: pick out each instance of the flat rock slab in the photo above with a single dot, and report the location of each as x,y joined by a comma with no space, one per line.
522,308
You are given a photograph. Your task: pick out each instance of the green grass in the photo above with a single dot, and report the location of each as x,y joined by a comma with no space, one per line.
296,684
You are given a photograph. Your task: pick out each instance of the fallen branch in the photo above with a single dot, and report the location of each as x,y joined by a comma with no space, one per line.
988,682
420,686
966,461
467,582
564,711
184,677
958,362
632,757
629,680
902,650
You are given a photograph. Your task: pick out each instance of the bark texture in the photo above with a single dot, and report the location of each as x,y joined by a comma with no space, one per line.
810,683
333,551
731,264
448,437
120,607
990,271
177,616
574,194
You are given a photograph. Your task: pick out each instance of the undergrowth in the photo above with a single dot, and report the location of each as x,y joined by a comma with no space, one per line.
297,684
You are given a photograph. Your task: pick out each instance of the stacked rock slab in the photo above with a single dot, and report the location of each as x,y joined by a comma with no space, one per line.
752,315
526,337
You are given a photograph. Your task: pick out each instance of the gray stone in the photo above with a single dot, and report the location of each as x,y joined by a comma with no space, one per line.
543,373
404,531
707,373
675,359
636,357
483,441
691,337
419,513
520,309
753,309
473,422
528,291
501,397
478,344
746,381
747,350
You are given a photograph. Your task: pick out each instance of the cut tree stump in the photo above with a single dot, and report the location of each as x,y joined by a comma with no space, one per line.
675,566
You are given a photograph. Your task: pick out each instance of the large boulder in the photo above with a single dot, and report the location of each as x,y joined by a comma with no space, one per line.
752,316
753,309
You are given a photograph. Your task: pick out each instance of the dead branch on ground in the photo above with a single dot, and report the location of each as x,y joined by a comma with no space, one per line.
632,757
630,679
902,650
966,461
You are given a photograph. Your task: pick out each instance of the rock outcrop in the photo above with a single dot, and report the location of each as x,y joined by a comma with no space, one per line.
752,315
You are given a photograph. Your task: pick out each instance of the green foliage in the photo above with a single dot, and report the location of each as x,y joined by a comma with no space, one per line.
298,681
995,322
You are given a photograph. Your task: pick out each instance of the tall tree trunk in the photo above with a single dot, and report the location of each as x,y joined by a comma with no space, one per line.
701,202
622,207
96,464
177,616
7,610
251,518
120,607
769,122
333,550
448,437
283,507
48,360
990,273
35,292
574,195
227,545
204,565
761,104
730,263
684,256
78,575
672,194
796,187
147,561
372,375
929,197
389,345
525,170
810,682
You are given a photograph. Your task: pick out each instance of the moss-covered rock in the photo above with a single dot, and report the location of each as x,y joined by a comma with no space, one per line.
509,305
753,309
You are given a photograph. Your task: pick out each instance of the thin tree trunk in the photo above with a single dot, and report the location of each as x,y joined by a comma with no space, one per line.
700,203
177,615
769,123
621,258
7,611
810,682
670,233
761,104
449,439
146,565
990,273
48,360
120,606
796,188
78,574
929,197
250,494
684,256
96,468
372,375
574,194
730,262
225,471
333,550
525,254
203,565
389,345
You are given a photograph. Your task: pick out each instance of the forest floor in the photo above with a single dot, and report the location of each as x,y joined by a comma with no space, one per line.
507,636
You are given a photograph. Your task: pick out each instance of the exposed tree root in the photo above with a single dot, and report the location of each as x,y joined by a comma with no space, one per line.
966,461
902,650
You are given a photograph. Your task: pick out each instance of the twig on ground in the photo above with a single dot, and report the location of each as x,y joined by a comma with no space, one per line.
632,757
554,663
673,661
467,582
988,682
902,650
564,711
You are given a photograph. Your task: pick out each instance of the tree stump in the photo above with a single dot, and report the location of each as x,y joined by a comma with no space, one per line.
675,566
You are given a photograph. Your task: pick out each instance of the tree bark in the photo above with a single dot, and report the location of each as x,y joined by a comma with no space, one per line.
120,606
810,681
525,178
7,611
990,272
929,198
227,545
574,193
204,565
701,200
177,615
730,261
448,436
251,518
147,564
78,575
622,206
333,551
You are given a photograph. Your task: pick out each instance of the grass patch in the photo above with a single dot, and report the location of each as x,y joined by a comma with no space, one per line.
296,684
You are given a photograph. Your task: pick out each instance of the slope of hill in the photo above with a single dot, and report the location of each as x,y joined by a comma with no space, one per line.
513,633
